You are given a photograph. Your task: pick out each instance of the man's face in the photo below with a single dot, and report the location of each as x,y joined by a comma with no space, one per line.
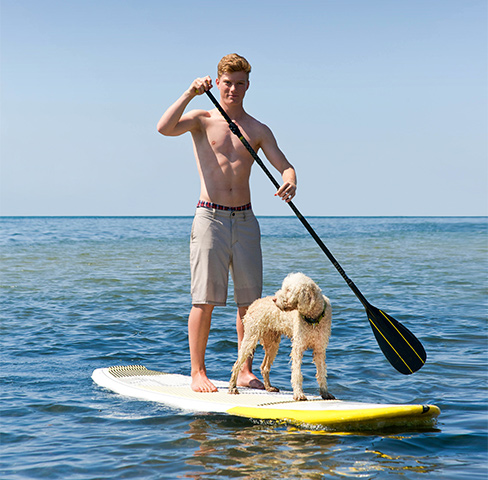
233,86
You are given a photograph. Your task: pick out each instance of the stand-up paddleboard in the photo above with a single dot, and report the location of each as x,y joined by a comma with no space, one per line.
175,391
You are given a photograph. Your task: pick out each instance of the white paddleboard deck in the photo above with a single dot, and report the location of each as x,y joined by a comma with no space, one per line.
175,391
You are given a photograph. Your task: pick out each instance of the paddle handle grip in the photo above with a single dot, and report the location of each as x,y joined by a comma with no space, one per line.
235,130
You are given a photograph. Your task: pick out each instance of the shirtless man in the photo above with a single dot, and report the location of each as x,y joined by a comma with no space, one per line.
225,233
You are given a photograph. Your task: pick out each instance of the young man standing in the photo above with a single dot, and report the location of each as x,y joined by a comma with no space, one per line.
225,234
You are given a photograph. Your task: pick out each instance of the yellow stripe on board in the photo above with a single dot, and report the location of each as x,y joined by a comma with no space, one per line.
382,313
379,416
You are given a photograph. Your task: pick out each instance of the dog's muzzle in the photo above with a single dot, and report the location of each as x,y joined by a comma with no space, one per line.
315,321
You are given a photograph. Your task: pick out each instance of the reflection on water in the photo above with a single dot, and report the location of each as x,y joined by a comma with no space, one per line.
258,451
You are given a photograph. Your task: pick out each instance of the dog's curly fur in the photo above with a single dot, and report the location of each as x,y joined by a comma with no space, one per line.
268,318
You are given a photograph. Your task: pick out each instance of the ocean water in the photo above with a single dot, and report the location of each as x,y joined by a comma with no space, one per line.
83,293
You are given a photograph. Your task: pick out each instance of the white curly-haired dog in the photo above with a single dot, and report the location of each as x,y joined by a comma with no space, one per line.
298,310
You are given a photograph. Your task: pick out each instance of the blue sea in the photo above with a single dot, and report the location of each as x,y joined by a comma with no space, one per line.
82,293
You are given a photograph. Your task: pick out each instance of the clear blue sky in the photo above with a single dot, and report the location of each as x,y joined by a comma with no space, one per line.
381,105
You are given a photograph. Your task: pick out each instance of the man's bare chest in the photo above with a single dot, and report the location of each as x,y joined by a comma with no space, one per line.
224,142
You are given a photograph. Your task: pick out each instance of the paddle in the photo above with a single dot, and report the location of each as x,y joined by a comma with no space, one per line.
400,346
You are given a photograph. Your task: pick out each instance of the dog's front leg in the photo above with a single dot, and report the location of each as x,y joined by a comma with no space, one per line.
296,373
233,379
319,360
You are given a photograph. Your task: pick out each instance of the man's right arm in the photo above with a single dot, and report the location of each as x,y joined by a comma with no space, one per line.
173,122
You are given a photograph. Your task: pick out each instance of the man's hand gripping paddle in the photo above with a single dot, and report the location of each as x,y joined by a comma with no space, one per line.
400,346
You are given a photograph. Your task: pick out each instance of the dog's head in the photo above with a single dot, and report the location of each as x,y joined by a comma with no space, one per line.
299,292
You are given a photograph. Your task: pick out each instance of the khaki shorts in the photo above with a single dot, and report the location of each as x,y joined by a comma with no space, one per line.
223,241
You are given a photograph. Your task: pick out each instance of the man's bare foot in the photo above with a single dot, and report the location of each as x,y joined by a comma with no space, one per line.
249,380
201,383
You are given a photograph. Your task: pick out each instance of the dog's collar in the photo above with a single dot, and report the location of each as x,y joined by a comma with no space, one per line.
315,321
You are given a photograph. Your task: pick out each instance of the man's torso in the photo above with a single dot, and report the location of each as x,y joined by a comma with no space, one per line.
224,164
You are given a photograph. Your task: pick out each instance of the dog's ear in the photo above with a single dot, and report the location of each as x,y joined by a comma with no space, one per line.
309,300
303,302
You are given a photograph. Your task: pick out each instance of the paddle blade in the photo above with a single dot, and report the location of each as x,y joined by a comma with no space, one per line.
399,345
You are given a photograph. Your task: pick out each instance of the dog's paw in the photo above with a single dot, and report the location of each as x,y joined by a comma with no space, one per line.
272,389
233,391
327,396
299,397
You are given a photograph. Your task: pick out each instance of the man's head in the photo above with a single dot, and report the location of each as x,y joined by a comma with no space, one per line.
233,79
233,63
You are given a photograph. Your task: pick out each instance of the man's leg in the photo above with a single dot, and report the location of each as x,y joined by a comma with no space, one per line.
198,332
245,378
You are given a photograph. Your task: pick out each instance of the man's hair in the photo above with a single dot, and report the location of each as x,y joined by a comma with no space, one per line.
233,63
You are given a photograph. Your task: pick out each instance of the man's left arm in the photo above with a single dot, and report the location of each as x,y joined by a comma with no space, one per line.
277,158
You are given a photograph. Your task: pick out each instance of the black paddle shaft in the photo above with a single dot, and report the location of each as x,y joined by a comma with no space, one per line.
402,349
